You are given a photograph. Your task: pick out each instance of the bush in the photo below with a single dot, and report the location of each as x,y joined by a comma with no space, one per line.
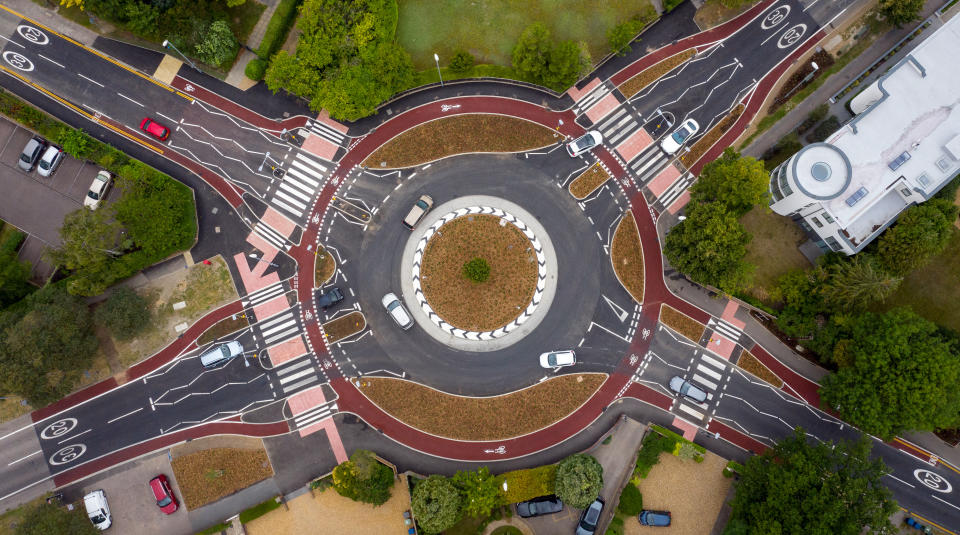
523,485
276,33
579,480
631,501
259,510
125,313
615,527
823,131
620,36
436,504
462,61
74,142
817,115
653,445
363,479
476,270
255,69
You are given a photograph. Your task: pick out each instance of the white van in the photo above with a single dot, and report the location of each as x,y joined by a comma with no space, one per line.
97,509
221,354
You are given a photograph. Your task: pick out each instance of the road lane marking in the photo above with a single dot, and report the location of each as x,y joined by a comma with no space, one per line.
24,457
51,61
131,100
124,416
900,480
12,41
91,80
169,119
946,502
74,436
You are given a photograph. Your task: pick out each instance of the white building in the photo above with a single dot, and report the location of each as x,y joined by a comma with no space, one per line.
901,148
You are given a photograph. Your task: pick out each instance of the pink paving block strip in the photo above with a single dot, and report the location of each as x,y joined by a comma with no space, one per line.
271,307
306,400
689,430
255,240
728,315
720,346
319,146
278,222
336,444
287,351
632,146
324,117
264,263
252,282
600,110
576,94
663,181
681,201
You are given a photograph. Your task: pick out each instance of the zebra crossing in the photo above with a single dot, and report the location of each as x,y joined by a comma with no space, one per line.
326,132
593,96
707,375
648,163
264,294
675,190
315,415
278,328
726,329
297,374
619,125
271,235
302,179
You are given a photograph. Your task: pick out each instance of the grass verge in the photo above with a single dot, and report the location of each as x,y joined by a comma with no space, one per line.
652,73
344,326
588,182
13,407
259,510
713,13
492,418
323,267
773,249
223,328
750,363
680,322
704,143
458,135
208,475
479,306
626,253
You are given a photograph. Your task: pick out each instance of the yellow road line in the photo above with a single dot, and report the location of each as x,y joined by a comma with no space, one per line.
79,110
103,56
940,461
925,521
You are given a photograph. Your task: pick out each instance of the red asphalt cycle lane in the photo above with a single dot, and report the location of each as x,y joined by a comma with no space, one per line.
232,108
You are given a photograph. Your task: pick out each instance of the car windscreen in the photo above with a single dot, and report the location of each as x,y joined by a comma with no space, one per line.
681,135
164,502
98,518
93,195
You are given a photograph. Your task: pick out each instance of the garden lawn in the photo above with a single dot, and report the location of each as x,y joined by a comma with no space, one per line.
773,249
489,28
627,256
680,322
491,418
208,475
458,135
933,291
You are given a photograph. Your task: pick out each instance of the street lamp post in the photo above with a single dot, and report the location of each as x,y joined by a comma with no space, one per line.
436,58
258,259
801,82
167,44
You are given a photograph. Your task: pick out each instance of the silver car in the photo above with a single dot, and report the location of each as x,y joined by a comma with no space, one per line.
688,389
50,161
31,153
397,311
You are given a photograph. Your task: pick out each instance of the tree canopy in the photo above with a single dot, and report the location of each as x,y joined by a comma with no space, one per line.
804,487
896,373
710,246
541,61
363,478
921,233
900,12
13,273
480,491
739,182
436,504
579,480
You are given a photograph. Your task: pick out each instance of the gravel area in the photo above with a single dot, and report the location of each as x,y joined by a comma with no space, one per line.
692,492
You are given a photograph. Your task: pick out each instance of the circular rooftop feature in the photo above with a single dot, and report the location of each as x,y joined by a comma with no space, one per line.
821,171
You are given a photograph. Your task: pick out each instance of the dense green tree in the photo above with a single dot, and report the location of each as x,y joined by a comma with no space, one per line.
631,501
363,478
803,304
13,273
531,54
579,480
142,18
801,486
125,312
739,182
896,373
74,141
480,490
710,246
857,282
921,233
219,45
89,239
557,66
172,223
436,503
48,519
900,12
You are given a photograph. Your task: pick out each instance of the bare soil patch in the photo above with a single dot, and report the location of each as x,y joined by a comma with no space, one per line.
750,363
487,305
649,75
588,182
344,326
680,322
458,135
492,418
223,328
324,267
626,253
208,475
704,143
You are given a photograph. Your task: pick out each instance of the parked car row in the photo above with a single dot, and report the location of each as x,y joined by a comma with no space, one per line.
98,510
46,157
589,517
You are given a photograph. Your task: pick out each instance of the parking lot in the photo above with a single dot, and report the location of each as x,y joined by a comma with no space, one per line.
36,204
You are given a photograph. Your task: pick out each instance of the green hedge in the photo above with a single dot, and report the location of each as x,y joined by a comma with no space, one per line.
527,484
256,68
668,5
277,30
677,438
649,455
259,510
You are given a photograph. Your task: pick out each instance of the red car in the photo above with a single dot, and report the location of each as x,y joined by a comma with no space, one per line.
161,491
155,129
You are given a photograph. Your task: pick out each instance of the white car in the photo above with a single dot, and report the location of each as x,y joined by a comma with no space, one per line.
674,141
97,509
397,311
49,161
98,190
558,359
584,143
419,209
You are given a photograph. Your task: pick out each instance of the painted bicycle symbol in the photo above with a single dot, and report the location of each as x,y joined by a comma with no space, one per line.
308,315
448,107
67,454
18,61
775,17
645,333
58,428
189,88
327,364
792,35
933,480
33,34
499,450
633,360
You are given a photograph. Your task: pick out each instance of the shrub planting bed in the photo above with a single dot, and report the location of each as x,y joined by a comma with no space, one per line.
223,328
704,143
208,475
344,326
323,268
680,322
588,182
750,363
649,75
626,253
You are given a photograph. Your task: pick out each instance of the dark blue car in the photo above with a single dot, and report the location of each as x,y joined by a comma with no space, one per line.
654,518
539,506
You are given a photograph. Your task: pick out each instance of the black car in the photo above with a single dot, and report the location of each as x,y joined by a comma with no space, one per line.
589,517
329,298
545,505
654,518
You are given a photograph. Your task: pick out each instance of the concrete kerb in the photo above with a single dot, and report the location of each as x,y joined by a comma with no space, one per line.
536,316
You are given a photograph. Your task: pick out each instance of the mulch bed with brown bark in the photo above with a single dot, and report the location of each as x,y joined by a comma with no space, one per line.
704,143
588,182
223,328
649,75
626,253
344,326
323,267
680,322
458,135
208,475
478,306
492,418
751,364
